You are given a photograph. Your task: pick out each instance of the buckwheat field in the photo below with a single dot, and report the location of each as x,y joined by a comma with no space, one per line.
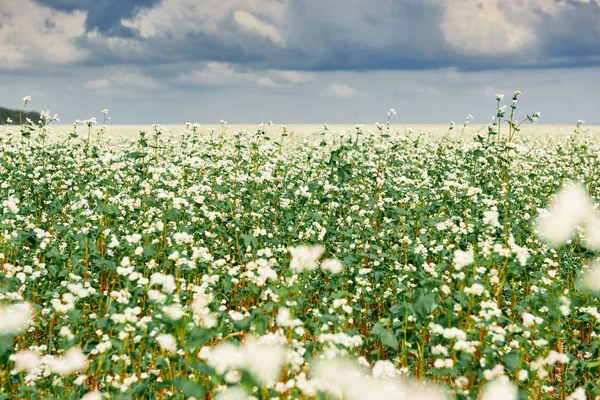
370,263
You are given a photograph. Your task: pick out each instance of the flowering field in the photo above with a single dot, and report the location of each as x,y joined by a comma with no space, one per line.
233,265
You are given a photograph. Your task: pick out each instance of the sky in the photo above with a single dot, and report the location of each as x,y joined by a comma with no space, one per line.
301,61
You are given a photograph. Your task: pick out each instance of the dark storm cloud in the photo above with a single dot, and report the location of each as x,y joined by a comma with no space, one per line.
338,35
103,15
574,35
149,52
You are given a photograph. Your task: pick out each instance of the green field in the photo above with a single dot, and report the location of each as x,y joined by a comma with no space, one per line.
347,262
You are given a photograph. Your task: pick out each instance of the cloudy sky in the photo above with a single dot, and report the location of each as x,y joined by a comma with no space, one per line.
302,61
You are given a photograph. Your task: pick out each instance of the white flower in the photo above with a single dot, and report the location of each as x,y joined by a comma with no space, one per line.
347,381
284,317
342,377
174,312
26,99
578,394
66,332
25,360
225,356
209,320
571,207
74,360
523,375
14,318
591,278
499,97
236,315
499,390
476,289
200,304
94,395
462,259
332,265
232,393
591,224
166,281
530,319
491,218
305,257
263,360
167,342
384,369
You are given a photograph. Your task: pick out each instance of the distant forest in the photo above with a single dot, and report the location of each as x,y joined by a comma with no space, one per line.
6,113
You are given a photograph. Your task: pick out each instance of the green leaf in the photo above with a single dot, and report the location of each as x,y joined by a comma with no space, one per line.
189,388
512,360
90,345
172,214
197,338
385,336
140,388
6,343
593,364
424,304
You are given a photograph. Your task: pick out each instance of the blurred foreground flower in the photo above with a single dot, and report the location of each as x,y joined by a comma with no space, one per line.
499,390
571,208
591,278
74,360
259,356
95,395
344,378
332,265
14,318
25,360
167,342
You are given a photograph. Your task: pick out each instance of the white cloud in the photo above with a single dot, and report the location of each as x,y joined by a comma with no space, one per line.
294,76
549,7
30,32
250,23
342,91
214,73
116,45
97,84
266,81
177,18
479,27
121,80
497,28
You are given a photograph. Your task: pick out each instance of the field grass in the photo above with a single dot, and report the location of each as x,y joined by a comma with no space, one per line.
219,263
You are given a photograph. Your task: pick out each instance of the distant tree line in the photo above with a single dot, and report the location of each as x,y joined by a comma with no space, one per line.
13,115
